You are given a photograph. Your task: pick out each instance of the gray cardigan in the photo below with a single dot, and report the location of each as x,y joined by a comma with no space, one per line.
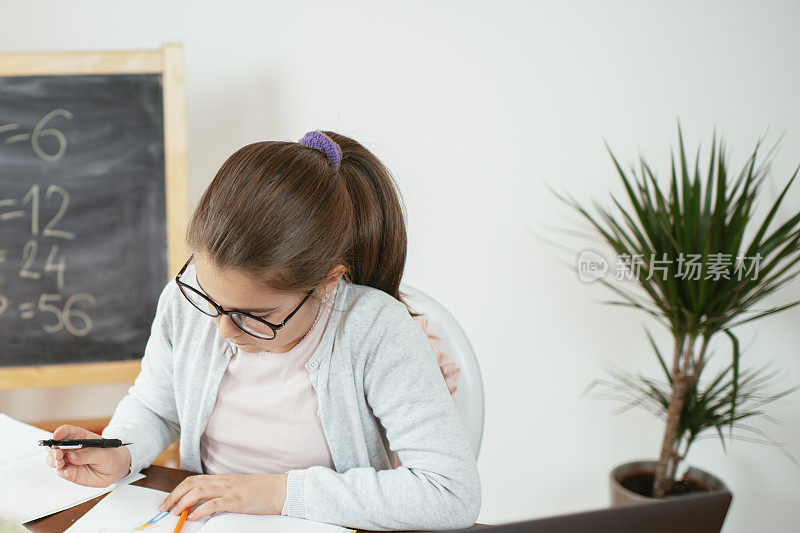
380,392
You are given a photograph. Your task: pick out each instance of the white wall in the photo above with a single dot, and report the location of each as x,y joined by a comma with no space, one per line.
475,106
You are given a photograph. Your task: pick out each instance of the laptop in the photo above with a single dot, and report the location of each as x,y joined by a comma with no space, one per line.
690,513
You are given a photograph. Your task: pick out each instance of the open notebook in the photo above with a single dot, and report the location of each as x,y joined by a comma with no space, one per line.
29,488
130,508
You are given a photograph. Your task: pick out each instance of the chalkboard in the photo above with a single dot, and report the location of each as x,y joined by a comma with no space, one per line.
83,249
92,173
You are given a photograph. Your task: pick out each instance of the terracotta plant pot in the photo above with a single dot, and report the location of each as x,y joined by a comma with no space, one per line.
626,478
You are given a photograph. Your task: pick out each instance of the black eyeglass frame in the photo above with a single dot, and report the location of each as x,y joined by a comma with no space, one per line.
234,314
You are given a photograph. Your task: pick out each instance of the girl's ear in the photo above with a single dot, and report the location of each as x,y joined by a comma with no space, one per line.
334,276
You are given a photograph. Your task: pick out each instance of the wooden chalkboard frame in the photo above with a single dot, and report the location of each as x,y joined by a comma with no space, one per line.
167,61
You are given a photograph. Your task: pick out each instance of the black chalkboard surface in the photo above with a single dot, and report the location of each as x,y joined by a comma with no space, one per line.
83,246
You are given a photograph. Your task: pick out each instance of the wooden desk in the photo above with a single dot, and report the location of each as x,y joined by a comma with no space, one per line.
157,477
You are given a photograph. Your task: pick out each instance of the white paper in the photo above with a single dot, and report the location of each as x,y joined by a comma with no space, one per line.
29,487
244,523
19,440
130,506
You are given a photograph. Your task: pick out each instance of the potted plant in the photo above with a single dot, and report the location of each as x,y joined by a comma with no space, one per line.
689,261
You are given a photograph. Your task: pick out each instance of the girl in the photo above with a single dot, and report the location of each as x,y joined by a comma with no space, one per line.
285,360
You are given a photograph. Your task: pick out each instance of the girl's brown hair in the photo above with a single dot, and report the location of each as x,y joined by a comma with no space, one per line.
282,214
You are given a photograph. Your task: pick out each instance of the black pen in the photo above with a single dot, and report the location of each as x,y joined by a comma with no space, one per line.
71,444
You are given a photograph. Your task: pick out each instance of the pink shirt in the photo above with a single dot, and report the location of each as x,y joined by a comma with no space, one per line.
266,416
450,370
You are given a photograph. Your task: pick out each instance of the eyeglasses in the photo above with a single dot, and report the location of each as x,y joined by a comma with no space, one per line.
249,323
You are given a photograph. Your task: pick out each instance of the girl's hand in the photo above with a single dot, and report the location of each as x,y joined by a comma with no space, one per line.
91,467
234,493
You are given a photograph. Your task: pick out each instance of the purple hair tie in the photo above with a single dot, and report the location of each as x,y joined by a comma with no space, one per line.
323,143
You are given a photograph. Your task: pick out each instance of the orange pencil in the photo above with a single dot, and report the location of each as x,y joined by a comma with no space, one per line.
181,520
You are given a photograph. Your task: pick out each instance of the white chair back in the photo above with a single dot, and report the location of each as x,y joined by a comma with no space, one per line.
468,395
